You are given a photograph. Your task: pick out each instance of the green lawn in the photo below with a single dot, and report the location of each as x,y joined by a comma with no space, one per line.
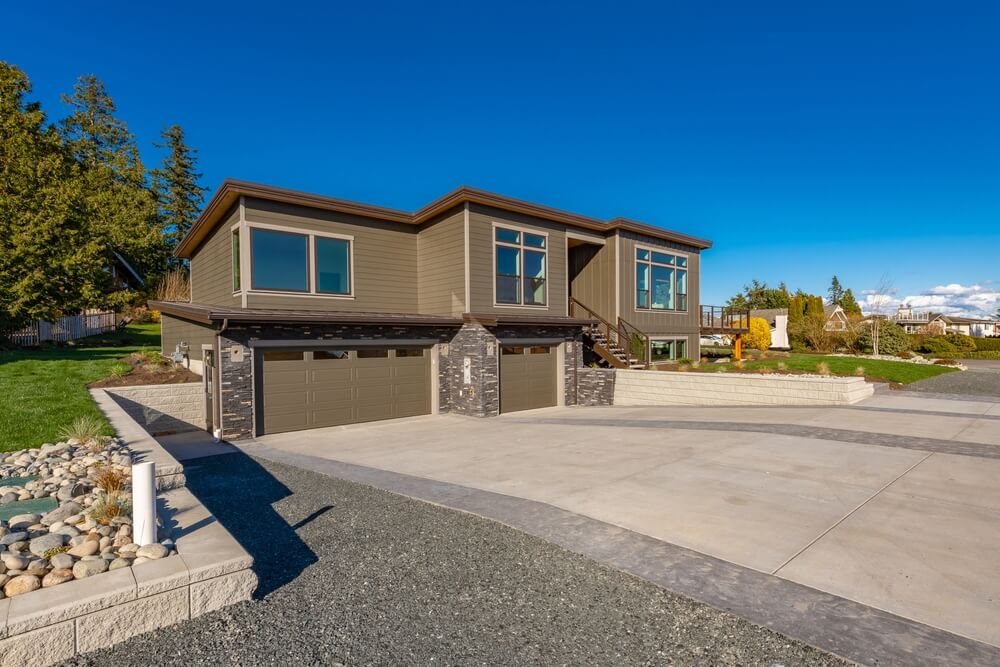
893,371
43,390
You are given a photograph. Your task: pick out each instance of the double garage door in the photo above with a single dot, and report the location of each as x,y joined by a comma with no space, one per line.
304,389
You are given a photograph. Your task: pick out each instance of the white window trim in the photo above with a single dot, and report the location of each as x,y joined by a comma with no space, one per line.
310,261
522,230
653,339
635,282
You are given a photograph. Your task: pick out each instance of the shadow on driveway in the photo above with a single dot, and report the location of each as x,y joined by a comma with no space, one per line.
242,494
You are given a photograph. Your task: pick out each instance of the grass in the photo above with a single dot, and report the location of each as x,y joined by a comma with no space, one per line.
891,371
43,391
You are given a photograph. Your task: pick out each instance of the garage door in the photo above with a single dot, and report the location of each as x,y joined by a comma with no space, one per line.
309,389
527,377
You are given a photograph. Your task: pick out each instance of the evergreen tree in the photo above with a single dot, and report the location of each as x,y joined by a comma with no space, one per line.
849,303
178,192
50,263
836,292
120,207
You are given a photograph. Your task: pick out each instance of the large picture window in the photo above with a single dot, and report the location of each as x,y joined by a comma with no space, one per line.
660,280
520,267
668,349
333,266
279,260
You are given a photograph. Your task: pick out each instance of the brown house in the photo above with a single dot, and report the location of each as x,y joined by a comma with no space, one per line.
308,311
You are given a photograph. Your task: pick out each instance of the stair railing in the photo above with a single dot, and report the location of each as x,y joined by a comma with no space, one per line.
633,343
636,343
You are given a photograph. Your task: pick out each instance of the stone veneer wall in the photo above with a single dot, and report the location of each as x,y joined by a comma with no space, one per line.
595,386
164,408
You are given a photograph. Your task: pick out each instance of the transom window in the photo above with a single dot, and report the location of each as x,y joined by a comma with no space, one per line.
520,267
668,349
660,280
280,261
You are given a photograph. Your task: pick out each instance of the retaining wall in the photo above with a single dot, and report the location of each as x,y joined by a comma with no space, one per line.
678,388
164,408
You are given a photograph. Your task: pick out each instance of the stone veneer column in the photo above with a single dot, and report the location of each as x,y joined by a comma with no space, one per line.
235,389
480,396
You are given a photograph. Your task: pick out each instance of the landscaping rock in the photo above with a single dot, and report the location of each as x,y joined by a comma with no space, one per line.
13,561
152,551
21,584
119,563
84,549
61,513
88,568
12,538
23,521
38,567
40,545
61,561
56,577
7,498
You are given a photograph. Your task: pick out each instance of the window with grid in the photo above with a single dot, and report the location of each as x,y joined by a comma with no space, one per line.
520,267
660,280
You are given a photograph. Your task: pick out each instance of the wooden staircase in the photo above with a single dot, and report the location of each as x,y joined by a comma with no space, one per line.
620,346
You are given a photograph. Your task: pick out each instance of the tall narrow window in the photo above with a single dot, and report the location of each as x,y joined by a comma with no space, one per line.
660,280
236,260
333,265
520,267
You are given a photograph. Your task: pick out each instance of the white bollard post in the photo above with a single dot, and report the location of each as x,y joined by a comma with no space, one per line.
144,503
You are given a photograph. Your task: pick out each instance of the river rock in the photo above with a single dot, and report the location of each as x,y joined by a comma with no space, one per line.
40,545
61,513
62,561
38,567
56,577
87,548
21,584
23,521
119,563
13,561
11,538
152,551
88,568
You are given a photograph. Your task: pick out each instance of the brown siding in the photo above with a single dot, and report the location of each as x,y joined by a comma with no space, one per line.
481,219
173,330
658,322
441,266
593,268
385,259
212,266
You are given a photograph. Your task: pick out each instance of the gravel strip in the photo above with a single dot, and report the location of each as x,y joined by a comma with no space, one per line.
357,576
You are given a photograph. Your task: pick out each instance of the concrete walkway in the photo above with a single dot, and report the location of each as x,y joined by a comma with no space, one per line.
892,503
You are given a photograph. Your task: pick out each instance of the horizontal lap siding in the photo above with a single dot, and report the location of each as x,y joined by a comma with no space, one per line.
481,276
441,266
658,322
385,259
174,330
212,266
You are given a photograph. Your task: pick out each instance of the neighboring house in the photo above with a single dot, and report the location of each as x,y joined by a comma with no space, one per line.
123,276
308,311
777,319
836,318
971,326
917,322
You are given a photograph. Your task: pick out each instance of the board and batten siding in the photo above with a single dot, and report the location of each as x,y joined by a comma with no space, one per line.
593,283
481,273
384,253
656,321
212,266
441,265
175,330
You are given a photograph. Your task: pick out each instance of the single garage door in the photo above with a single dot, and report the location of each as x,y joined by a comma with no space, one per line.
527,377
308,389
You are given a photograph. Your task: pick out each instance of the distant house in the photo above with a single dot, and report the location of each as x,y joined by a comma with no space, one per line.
915,322
971,326
836,318
123,276
777,319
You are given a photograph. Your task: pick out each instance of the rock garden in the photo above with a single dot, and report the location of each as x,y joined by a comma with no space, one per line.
65,514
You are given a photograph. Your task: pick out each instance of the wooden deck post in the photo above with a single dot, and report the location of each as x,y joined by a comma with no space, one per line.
738,347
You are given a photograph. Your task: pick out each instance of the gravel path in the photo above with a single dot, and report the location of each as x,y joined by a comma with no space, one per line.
982,379
358,576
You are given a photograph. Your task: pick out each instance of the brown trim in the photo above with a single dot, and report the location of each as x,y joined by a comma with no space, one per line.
492,320
210,314
231,190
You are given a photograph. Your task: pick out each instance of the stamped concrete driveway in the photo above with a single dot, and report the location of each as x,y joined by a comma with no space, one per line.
893,503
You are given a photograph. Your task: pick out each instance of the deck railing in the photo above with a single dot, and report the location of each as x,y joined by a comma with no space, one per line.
720,319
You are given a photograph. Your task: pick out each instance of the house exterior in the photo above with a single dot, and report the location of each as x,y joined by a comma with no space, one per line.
777,319
309,311
836,318
971,326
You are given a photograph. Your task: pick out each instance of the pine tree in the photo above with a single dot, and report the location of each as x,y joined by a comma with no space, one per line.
178,192
849,303
836,292
119,205
50,263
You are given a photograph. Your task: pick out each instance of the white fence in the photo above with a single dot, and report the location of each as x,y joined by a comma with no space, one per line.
65,328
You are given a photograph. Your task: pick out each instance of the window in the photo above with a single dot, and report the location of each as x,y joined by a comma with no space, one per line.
236,260
539,350
279,260
511,349
660,280
520,267
333,265
322,355
283,356
668,349
372,354
409,352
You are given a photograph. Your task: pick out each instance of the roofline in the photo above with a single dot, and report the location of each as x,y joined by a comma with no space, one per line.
135,274
209,314
231,190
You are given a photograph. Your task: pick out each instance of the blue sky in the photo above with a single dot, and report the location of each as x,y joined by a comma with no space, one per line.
852,138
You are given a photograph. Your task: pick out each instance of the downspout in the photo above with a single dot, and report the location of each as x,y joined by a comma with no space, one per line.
217,404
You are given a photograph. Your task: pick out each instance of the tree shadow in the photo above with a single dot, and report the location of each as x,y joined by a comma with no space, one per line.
241,494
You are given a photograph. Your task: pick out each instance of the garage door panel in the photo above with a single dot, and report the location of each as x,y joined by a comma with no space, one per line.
331,388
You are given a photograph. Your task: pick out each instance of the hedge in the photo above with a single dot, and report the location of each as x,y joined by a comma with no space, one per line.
988,344
982,354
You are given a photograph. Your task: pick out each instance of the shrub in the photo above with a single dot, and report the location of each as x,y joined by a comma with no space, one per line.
112,481
961,342
938,345
120,370
823,368
860,371
175,286
985,354
782,366
109,506
684,360
765,370
83,428
945,362
987,344
906,354
892,338
759,336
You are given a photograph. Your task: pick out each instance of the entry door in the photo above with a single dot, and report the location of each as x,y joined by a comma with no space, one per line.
527,377
208,382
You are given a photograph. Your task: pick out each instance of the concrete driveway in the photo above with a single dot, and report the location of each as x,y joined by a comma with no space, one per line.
893,503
